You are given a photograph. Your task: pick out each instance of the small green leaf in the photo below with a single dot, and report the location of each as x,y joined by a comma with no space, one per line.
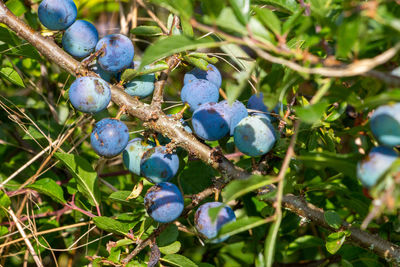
285,5
304,242
174,44
122,197
238,188
269,19
311,113
183,8
168,236
3,230
333,219
130,74
5,201
239,226
171,248
241,9
335,241
84,174
147,31
50,188
113,226
11,75
197,62
212,60
178,260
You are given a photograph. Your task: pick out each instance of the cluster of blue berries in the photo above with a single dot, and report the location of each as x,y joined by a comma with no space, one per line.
253,132
385,125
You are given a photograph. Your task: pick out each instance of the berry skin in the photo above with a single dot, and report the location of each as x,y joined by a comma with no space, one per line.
237,111
133,153
95,67
141,86
159,166
164,202
118,52
80,39
212,75
57,14
257,103
372,167
208,227
210,121
109,137
199,92
385,124
254,135
89,94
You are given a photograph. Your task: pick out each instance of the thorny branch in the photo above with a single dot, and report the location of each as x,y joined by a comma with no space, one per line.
159,122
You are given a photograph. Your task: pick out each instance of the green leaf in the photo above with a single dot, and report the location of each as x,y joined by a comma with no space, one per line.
196,177
183,8
84,174
304,242
344,163
227,20
5,201
178,260
241,225
171,248
288,5
50,188
241,9
113,226
270,242
197,62
269,19
130,74
212,60
187,28
333,219
3,230
168,236
238,188
347,37
311,113
11,75
17,7
174,44
147,31
335,241
122,197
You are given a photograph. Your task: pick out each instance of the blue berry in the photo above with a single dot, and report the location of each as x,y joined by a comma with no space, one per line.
109,137
385,124
199,92
80,39
141,86
254,135
236,112
372,167
89,94
57,14
118,52
212,75
257,103
159,166
164,202
207,226
210,122
133,154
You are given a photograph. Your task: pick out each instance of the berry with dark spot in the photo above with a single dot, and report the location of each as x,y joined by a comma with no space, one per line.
209,226
140,86
164,202
109,137
80,39
372,167
210,121
385,124
254,135
57,14
95,67
118,52
89,94
236,112
199,92
133,154
212,75
157,165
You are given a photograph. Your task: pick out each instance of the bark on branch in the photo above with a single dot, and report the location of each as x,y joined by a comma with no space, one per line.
156,120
